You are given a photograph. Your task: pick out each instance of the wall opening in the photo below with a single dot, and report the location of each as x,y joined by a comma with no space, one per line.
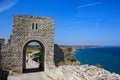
33,56
32,26
36,26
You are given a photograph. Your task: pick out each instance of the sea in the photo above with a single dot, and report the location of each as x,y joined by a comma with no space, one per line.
107,57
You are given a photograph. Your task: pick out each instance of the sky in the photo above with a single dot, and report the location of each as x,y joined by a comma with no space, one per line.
77,22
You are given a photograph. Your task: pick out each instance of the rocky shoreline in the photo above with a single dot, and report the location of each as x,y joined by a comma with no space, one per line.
79,72
83,72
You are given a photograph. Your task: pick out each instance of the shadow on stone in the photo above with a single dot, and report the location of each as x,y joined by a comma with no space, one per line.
58,54
32,70
3,74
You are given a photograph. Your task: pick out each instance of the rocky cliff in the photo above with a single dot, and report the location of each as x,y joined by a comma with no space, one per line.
63,56
82,72
68,71
58,55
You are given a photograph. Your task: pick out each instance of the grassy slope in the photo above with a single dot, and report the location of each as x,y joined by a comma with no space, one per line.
31,49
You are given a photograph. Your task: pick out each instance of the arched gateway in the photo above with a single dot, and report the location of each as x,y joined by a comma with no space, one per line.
40,66
25,30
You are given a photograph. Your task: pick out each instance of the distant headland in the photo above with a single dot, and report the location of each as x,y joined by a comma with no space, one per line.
75,47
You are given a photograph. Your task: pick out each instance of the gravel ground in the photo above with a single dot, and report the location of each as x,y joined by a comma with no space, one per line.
30,76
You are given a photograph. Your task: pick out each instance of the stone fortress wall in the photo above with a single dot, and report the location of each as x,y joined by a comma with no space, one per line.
26,29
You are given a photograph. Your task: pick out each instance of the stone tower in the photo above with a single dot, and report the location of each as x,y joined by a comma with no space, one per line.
25,30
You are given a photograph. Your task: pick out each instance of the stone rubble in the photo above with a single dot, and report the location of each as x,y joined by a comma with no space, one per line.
83,72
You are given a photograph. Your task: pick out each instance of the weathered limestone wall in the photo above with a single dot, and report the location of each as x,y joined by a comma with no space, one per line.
2,42
22,33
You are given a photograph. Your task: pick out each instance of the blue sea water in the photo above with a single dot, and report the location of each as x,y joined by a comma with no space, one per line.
107,57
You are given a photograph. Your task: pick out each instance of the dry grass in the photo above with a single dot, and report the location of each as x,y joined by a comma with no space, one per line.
61,63
75,63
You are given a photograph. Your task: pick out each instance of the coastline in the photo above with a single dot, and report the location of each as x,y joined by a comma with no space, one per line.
95,61
107,57
73,48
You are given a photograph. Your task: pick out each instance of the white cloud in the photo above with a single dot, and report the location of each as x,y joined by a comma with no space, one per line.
7,4
90,4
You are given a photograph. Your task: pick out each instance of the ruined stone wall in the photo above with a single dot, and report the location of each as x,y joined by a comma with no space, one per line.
2,42
58,55
23,32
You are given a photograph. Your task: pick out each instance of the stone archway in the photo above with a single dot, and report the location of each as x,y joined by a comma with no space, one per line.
25,30
41,64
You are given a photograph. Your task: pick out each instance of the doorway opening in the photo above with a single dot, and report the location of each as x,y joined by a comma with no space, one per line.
33,57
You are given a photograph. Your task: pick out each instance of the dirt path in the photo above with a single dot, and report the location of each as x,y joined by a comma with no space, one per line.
30,76
33,74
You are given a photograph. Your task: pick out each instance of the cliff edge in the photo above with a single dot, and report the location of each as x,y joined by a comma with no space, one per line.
67,71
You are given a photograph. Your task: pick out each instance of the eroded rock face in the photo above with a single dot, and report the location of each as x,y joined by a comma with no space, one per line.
64,56
58,54
83,72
